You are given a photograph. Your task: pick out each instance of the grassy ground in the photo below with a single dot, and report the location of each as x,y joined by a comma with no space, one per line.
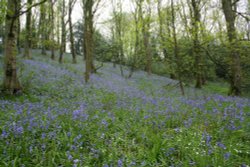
112,121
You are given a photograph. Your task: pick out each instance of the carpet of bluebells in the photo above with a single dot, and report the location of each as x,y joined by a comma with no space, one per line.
116,122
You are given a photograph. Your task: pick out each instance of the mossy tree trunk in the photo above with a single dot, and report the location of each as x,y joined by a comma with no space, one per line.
229,9
88,43
11,83
18,30
196,23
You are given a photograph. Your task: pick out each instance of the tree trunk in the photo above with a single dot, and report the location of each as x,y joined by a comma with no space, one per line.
42,28
147,52
229,8
88,38
28,33
63,33
52,19
18,30
11,83
72,44
162,39
146,36
176,49
196,43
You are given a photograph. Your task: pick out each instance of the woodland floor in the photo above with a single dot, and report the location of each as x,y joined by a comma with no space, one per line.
112,121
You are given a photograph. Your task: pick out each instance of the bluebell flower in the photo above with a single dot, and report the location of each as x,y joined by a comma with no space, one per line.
19,130
227,155
221,145
120,163
4,134
76,161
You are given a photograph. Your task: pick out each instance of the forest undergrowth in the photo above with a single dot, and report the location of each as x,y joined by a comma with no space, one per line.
59,120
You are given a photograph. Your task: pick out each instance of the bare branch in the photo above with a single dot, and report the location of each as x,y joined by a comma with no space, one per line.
29,8
96,7
244,15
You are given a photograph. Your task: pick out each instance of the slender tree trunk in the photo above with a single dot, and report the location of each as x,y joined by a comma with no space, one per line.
161,34
147,49
42,28
72,44
163,38
196,43
121,54
63,33
88,38
117,36
145,19
119,33
88,49
248,21
18,30
52,19
58,25
137,39
11,83
114,53
176,49
229,8
28,33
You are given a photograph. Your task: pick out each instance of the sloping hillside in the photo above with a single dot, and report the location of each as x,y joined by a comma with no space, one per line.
113,121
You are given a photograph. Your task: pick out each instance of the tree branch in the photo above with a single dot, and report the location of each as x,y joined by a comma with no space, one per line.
234,3
28,9
244,15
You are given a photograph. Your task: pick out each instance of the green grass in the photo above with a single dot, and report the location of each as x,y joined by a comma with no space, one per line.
217,88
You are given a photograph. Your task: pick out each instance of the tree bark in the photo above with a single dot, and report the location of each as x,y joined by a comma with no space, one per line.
146,36
229,8
52,19
117,36
18,30
72,43
196,43
161,34
63,33
176,49
88,38
11,83
42,28
28,33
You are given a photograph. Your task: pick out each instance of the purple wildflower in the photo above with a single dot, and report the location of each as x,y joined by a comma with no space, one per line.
76,161
221,145
4,134
120,163
227,155
19,130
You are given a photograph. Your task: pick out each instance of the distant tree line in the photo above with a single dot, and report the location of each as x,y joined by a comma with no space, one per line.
189,40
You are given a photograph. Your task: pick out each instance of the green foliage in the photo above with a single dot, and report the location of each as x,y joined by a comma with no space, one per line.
217,87
244,49
3,9
102,48
160,68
